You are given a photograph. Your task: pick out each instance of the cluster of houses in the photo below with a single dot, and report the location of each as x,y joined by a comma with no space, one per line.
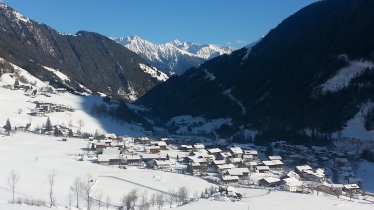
42,108
231,165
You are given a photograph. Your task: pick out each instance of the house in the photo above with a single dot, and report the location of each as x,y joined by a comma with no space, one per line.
224,167
98,146
269,182
352,180
161,144
154,149
227,179
187,148
149,157
301,169
235,161
198,147
248,158
292,184
236,151
133,160
142,140
240,172
269,163
262,169
214,151
164,165
350,187
275,157
110,156
254,153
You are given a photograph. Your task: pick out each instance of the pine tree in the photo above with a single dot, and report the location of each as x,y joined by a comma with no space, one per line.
167,157
7,126
70,134
48,125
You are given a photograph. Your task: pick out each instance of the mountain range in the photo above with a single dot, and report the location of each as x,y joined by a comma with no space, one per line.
88,59
173,57
306,79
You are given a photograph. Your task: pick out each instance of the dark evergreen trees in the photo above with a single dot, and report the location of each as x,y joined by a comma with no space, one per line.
48,125
7,126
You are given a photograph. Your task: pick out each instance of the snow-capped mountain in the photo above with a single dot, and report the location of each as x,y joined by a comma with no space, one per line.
173,57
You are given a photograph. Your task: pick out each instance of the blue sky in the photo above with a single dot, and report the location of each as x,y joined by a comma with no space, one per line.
224,22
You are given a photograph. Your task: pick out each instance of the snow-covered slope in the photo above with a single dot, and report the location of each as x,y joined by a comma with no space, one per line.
173,57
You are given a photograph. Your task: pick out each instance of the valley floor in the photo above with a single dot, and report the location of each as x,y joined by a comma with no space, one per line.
34,156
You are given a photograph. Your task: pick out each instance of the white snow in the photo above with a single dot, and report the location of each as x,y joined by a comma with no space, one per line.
58,73
239,103
355,127
34,156
14,101
209,75
155,73
175,56
345,75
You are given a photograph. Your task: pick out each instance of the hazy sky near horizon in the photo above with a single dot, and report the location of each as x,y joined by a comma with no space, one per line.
224,22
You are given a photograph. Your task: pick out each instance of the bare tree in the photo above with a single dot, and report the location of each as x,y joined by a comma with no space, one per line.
51,182
107,203
170,198
160,200
182,195
144,204
13,179
152,201
86,187
76,189
99,197
70,200
130,199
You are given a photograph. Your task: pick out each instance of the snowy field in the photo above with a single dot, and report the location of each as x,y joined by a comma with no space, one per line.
34,157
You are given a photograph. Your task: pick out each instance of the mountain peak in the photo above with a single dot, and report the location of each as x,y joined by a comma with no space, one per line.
174,56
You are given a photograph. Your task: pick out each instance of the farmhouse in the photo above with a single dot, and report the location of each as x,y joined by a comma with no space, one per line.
292,184
269,182
230,179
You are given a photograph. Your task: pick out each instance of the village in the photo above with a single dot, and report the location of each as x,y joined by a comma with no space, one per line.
293,168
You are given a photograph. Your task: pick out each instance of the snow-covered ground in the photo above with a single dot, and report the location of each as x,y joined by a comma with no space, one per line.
365,171
16,106
355,127
34,156
345,75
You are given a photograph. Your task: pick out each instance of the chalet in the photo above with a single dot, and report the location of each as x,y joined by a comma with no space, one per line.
160,144
154,149
223,155
269,163
110,136
350,187
187,148
224,167
251,165
98,146
330,188
198,147
214,151
307,173
236,161
240,172
275,158
248,158
278,164
230,179
254,153
293,184
163,165
262,169
110,156
142,140
236,151
269,182
149,157
133,160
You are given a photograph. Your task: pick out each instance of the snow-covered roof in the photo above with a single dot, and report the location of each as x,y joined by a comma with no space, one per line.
230,178
226,166
250,152
237,171
351,186
268,163
303,168
293,182
199,146
236,150
275,157
262,168
271,179
214,150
